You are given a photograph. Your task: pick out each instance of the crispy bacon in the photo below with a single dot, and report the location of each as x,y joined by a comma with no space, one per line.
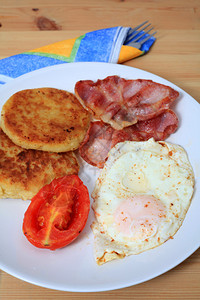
102,137
121,103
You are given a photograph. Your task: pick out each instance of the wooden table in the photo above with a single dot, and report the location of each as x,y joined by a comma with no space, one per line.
26,25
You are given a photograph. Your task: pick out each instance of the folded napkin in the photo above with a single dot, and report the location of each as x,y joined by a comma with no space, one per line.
105,45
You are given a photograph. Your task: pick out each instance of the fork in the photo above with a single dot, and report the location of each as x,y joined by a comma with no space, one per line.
134,37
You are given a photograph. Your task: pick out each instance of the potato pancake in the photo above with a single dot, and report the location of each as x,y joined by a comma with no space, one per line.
23,172
45,119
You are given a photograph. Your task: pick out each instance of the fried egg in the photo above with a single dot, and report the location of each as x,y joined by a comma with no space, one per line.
140,198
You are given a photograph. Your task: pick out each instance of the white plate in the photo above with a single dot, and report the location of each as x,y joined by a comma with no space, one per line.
73,268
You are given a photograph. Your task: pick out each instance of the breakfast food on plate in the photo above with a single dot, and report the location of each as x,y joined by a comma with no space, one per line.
141,198
23,172
146,185
58,213
45,119
121,103
101,137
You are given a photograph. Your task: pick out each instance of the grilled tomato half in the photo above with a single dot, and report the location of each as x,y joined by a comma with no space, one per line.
57,213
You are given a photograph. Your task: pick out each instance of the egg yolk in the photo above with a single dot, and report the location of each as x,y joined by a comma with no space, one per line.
138,217
135,181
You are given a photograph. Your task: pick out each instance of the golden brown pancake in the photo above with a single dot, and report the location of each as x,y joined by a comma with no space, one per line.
45,119
23,172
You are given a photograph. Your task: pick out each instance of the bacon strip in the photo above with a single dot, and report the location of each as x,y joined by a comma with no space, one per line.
96,144
101,137
121,103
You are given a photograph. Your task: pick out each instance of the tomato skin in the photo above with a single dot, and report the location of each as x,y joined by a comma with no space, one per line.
57,213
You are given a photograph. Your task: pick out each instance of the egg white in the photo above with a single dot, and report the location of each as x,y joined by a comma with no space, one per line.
135,169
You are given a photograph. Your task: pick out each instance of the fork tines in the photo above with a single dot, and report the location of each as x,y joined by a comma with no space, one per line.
134,32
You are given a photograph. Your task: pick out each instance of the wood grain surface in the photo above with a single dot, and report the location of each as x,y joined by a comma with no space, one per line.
29,24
